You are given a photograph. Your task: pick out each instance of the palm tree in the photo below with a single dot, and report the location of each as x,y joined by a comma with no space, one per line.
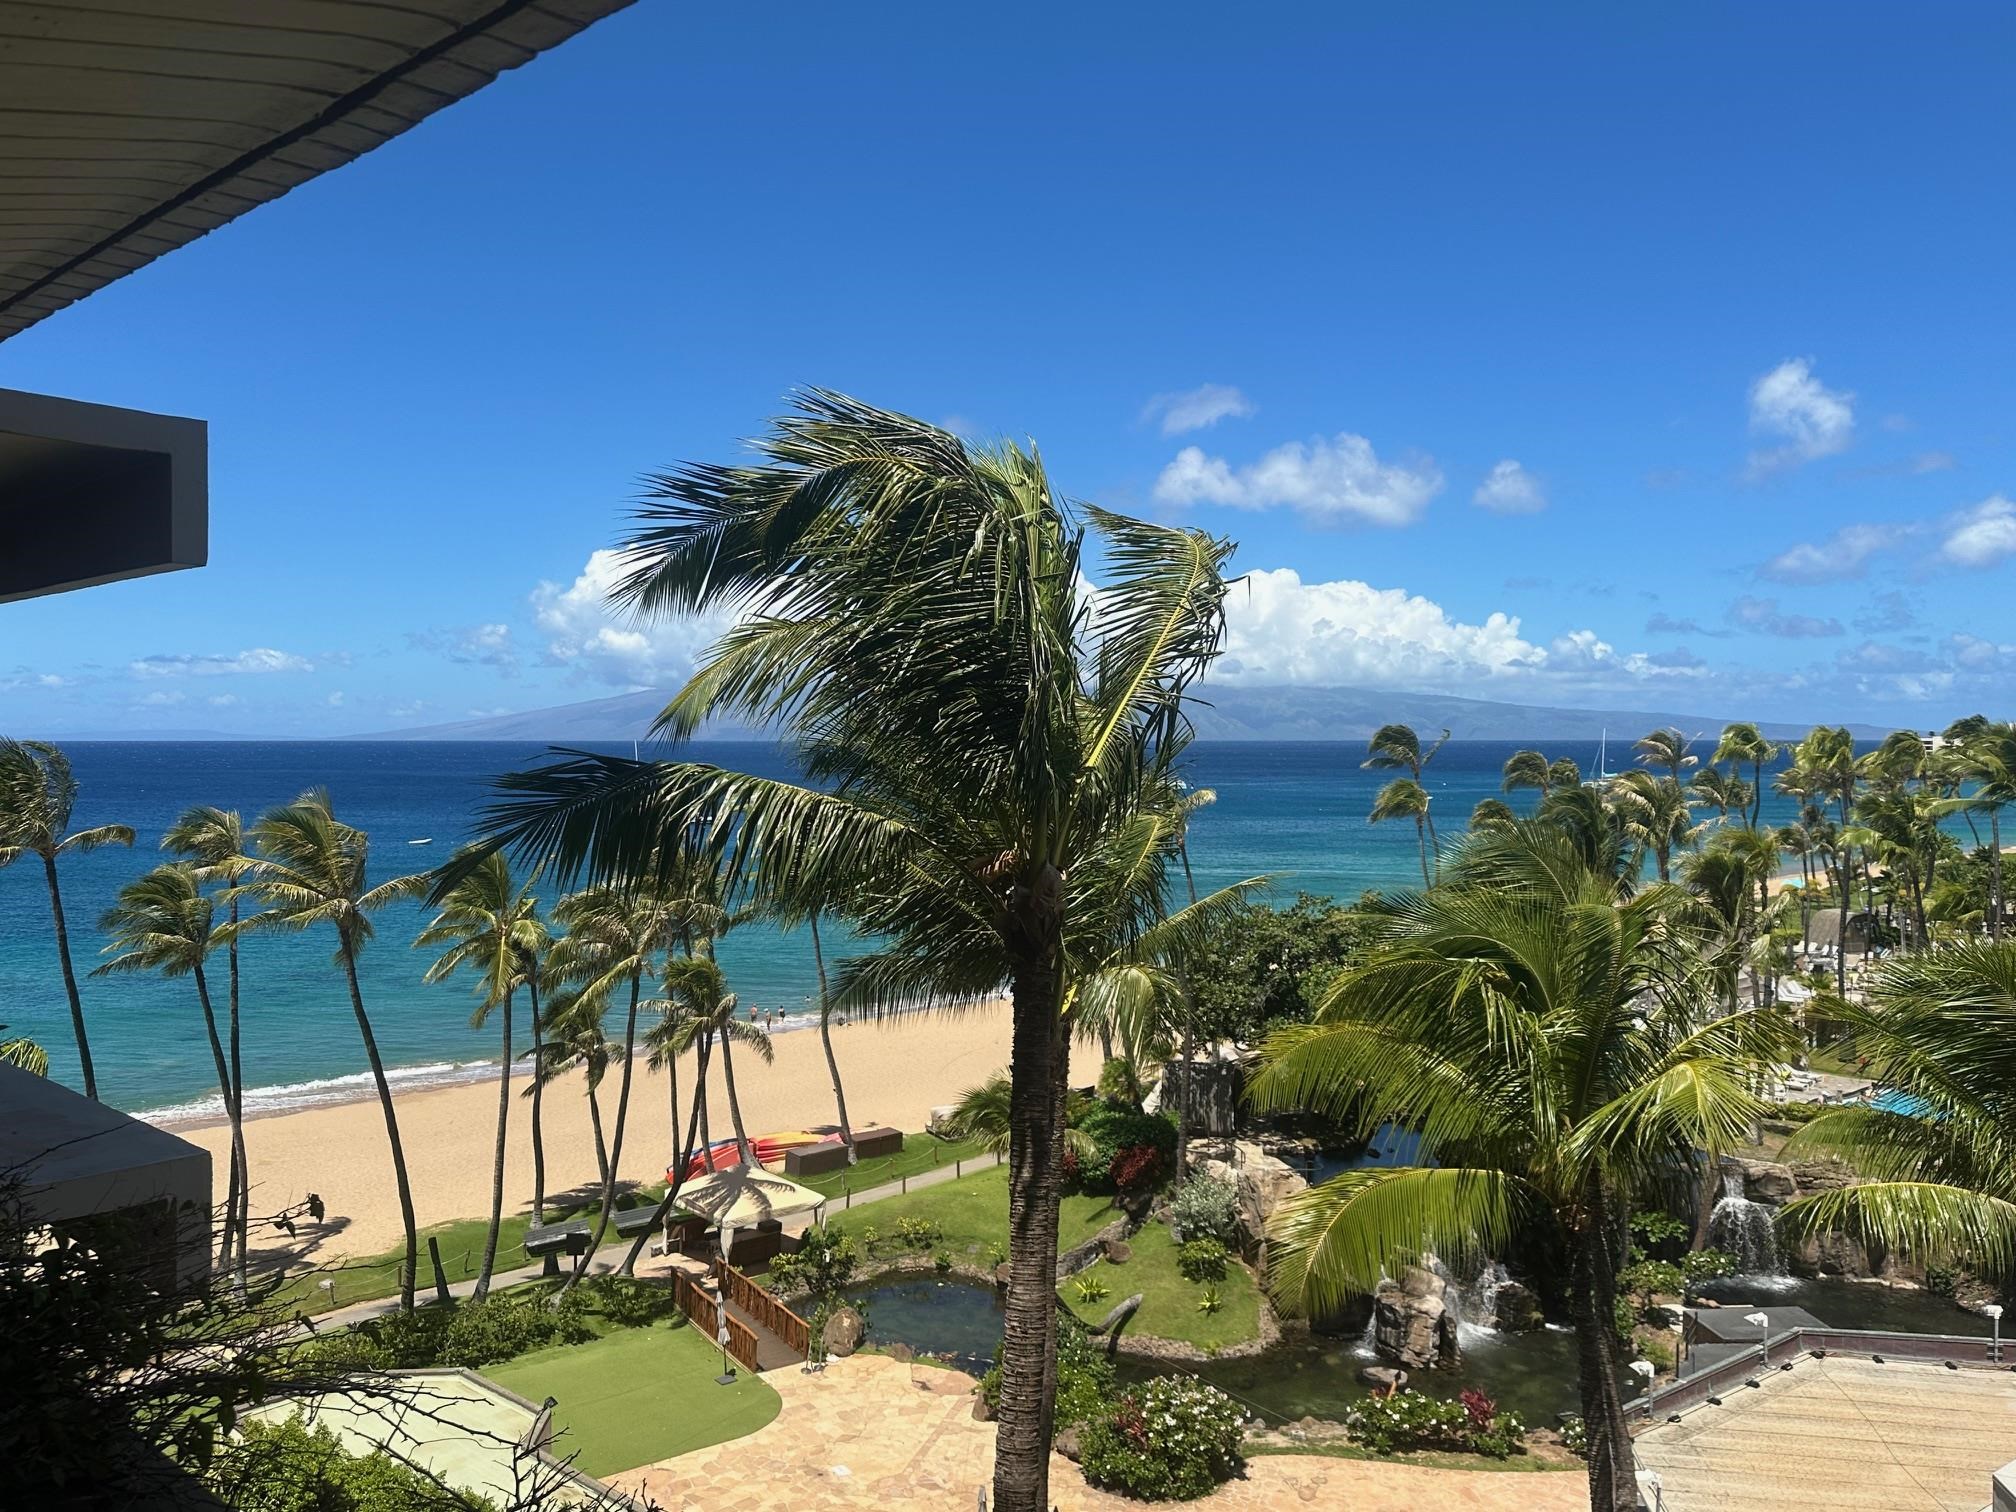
162,923
826,1040
1937,1183
707,1016
1988,760
1722,791
1492,813
1741,742
1395,747
23,1054
1404,798
1525,769
981,1115
491,928
1658,816
1823,766
1554,1044
575,1038
1667,750
37,793
1563,773
974,731
309,868
214,840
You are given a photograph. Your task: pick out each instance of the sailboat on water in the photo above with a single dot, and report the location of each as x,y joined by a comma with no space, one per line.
1604,776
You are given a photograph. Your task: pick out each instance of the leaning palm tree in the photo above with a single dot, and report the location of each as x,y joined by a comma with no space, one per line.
1395,747
37,793
309,868
708,1017
1824,767
1988,760
1492,813
1404,798
826,1040
1525,769
1667,750
1658,816
1742,742
973,726
163,923
576,1040
213,839
1937,1183
1558,1048
491,928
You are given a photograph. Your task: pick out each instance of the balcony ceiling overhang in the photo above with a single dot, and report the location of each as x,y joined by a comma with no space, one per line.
129,127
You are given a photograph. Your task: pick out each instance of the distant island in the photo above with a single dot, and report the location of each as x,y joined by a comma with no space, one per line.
1222,713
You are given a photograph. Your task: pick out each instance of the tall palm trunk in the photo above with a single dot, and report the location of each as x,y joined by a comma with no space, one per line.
70,978
409,1266
615,1163
595,1123
674,1178
241,1166
1188,1052
734,1103
497,1165
230,1108
705,1057
1434,840
1028,1343
1847,856
1995,873
538,1092
1421,838
1613,1485
826,1039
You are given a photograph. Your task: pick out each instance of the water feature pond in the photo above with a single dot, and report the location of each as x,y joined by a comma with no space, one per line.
1305,1375
1851,1304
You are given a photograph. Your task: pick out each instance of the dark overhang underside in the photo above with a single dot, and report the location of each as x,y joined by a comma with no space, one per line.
129,127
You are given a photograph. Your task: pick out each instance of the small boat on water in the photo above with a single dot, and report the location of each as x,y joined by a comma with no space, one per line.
423,840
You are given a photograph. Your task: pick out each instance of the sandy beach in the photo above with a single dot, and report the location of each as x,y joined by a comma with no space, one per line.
893,1072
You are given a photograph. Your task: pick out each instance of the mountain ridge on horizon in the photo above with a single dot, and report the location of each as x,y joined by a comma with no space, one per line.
1286,712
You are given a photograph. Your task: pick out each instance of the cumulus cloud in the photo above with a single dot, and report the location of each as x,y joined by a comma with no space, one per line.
1981,536
1763,616
1197,409
584,634
1806,419
258,660
161,698
471,645
1509,489
1280,630
1662,623
1328,481
224,701
1845,554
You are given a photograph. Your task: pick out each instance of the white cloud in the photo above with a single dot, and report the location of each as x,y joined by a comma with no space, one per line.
1806,418
1981,536
1198,409
488,645
1763,616
260,659
1328,481
1509,489
160,699
583,633
224,701
1845,554
335,700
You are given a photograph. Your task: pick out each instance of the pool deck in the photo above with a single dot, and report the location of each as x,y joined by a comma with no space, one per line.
872,1432
1841,1433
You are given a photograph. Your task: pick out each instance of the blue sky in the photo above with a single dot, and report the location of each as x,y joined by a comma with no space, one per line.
1582,354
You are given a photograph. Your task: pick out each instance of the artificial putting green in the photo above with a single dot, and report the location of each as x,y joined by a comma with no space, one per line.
637,1396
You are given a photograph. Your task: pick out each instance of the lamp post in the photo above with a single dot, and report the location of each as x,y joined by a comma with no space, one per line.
1993,1313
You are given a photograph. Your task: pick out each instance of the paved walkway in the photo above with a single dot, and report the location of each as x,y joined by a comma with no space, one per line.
1841,1433
870,1432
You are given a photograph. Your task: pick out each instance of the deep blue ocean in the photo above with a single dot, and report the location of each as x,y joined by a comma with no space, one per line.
1293,809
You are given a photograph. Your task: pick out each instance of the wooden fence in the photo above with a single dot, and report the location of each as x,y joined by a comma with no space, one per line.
792,1331
706,1314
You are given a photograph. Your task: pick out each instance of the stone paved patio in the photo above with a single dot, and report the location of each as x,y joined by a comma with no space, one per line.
1841,1433
870,1432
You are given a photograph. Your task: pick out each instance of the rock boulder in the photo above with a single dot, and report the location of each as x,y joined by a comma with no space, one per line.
842,1334
1518,1308
1411,1321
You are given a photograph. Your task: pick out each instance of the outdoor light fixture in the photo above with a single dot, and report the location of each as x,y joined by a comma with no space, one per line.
1993,1313
1758,1319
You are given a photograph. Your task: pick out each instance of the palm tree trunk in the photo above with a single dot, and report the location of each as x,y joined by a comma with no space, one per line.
1757,793
497,1165
1841,945
243,1167
734,1103
230,1111
616,1141
826,1039
1613,1485
675,1176
1995,873
70,978
1434,840
408,1267
538,1129
1188,1051
1025,1413
1421,838
595,1123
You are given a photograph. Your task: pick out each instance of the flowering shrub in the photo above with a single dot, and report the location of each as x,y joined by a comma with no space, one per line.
1409,1420
1172,1440
1069,1166
1202,1260
1085,1377
1206,1208
1135,1169
1115,1130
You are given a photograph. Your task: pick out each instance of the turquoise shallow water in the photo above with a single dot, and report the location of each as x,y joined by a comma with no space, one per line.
1296,810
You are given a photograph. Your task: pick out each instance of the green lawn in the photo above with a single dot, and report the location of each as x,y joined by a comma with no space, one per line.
973,1213
1168,1299
920,1153
637,1396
